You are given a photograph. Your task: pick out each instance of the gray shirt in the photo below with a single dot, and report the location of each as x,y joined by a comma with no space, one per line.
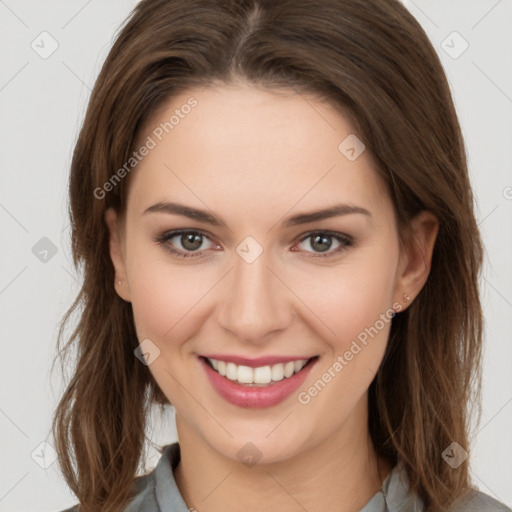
157,492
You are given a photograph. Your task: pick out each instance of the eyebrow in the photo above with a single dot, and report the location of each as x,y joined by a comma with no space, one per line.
173,208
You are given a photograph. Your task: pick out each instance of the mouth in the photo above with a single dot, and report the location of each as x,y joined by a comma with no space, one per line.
256,386
259,376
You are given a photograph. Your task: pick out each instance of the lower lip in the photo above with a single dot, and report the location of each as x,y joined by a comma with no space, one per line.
255,397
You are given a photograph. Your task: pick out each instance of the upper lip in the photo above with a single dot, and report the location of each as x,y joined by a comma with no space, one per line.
257,361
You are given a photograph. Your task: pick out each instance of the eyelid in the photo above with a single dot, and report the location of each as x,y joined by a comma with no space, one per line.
328,232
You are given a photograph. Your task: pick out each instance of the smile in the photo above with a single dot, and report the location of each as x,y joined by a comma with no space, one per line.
256,386
261,375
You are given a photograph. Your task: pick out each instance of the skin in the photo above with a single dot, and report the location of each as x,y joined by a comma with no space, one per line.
254,157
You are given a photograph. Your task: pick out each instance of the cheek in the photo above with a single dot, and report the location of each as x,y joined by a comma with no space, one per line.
358,308
352,298
165,296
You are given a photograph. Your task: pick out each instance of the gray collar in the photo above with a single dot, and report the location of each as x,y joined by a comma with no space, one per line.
394,495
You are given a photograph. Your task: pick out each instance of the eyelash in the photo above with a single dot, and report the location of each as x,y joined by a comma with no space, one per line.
162,240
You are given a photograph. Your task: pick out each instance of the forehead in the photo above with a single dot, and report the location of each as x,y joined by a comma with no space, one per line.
241,145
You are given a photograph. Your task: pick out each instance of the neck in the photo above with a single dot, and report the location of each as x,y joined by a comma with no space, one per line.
340,473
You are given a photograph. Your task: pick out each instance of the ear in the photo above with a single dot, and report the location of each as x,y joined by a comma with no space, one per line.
416,258
117,253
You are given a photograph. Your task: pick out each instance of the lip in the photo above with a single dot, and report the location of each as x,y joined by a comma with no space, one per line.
255,362
255,397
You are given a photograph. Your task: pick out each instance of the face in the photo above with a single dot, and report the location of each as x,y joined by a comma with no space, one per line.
256,276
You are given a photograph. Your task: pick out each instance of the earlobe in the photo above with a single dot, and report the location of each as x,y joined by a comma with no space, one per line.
416,258
117,254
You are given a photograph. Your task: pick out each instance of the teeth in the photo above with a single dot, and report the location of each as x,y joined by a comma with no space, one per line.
289,369
231,371
244,375
277,372
260,375
298,365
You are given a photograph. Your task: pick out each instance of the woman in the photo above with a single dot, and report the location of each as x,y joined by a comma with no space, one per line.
271,204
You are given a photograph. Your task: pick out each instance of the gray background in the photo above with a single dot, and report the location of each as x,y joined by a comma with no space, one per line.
42,102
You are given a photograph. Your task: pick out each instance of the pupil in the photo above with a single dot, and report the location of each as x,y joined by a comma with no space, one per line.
318,240
191,241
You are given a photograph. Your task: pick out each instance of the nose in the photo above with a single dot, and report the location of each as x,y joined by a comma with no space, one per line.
255,303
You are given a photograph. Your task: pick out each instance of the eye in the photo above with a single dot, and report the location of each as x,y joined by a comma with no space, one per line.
190,240
321,242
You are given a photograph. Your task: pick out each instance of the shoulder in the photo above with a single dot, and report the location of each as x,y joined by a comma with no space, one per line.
143,496
398,497
476,501
145,488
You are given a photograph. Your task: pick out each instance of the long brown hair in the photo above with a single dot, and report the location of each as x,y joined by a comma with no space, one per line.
371,59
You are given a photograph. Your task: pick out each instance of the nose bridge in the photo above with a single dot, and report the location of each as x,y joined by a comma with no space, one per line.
255,302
